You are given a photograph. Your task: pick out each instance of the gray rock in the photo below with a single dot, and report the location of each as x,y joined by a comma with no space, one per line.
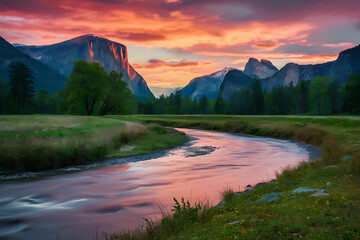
319,194
231,223
291,182
270,197
331,166
260,70
247,191
347,158
305,189
328,183
220,204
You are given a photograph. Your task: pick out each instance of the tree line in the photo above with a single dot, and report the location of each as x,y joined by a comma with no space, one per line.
91,91
88,91
322,96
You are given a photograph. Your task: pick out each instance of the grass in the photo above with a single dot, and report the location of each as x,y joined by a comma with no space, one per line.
40,142
292,216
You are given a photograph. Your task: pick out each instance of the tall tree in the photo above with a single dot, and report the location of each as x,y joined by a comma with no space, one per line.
303,89
332,93
117,98
85,86
44,102
352,95
203,104
258,97
318,91
21,85
4,94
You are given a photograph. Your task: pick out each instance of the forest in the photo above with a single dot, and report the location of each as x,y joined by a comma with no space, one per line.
91,91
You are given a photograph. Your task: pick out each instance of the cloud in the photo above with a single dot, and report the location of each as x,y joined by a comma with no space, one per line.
144,37
357,26
342,45
266,45
157,63
221,32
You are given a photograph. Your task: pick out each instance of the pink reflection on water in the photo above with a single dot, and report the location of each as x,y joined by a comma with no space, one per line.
115,197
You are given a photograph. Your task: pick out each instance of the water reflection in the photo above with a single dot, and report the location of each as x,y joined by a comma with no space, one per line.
112,197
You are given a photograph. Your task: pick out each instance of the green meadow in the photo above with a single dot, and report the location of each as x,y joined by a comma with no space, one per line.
40,142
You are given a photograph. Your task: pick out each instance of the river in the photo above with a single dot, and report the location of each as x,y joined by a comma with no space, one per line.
118,194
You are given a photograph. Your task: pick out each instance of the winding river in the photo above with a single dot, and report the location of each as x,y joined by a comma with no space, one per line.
119,193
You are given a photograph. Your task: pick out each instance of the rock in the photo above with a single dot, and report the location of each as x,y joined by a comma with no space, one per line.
231,223
328,183
347,158
127,148
270,197
260,70
319,194
292,197
247,191
304,190
331,166
220,204
237,194
259,184
291,182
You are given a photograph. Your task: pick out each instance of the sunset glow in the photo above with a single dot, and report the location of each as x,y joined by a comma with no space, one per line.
172,41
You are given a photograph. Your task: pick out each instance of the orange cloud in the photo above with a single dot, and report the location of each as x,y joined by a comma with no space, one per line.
156,63
212,34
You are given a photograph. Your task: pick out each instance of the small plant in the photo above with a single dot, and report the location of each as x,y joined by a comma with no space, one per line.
186,211
227,195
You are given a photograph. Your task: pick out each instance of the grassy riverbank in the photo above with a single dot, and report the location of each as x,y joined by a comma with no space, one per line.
290,215
39,142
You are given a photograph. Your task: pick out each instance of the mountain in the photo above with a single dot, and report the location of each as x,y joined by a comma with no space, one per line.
234,81
347,63
158,91
260,70
208,85
110,55
44,77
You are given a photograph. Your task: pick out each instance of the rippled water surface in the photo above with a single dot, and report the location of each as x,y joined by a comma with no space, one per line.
117,194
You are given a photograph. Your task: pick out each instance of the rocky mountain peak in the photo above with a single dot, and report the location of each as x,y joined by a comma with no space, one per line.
110,55
260,70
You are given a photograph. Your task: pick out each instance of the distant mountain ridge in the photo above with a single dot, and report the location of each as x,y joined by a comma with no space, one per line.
45,77
93,48
347,63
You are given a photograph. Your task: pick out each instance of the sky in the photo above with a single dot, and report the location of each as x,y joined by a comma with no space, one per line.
172,41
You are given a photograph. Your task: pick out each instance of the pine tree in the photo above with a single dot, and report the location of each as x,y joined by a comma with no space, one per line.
21,86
